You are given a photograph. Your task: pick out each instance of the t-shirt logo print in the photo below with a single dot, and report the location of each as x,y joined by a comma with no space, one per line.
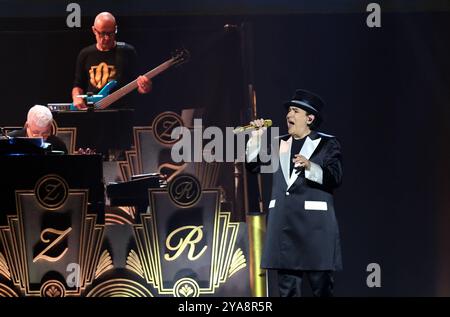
101,74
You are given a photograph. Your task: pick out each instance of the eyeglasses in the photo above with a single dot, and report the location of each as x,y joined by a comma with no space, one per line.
105,34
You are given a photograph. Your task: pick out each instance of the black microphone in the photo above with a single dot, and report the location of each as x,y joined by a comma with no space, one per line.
267,123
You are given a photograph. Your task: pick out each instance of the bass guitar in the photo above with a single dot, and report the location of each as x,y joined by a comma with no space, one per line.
104,98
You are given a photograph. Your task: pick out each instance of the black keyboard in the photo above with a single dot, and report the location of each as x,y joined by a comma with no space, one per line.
21,146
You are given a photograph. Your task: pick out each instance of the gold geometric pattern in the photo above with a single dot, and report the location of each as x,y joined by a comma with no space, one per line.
119,287
207,173
69,137
6,291
145,261
4,270
12,238
134,264
53,288
238,262
186,291
134,159
186,287
225,260
120,215
104,264
125,169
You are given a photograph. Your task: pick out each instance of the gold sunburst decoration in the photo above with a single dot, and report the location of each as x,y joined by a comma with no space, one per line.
6,291
4,269
134,264
119,287
104,264
238,262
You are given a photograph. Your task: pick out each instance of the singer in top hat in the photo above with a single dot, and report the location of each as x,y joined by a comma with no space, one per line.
302,237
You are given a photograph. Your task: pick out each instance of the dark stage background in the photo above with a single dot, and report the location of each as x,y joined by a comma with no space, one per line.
386,89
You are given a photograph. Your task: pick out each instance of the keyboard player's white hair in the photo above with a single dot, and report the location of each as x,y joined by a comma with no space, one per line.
39,115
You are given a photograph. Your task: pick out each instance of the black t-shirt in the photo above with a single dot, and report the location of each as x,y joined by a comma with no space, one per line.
94,68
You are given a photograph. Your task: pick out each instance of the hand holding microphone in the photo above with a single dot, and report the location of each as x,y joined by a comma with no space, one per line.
255,124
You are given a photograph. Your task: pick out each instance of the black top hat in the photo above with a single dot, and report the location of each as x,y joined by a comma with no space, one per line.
307,101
